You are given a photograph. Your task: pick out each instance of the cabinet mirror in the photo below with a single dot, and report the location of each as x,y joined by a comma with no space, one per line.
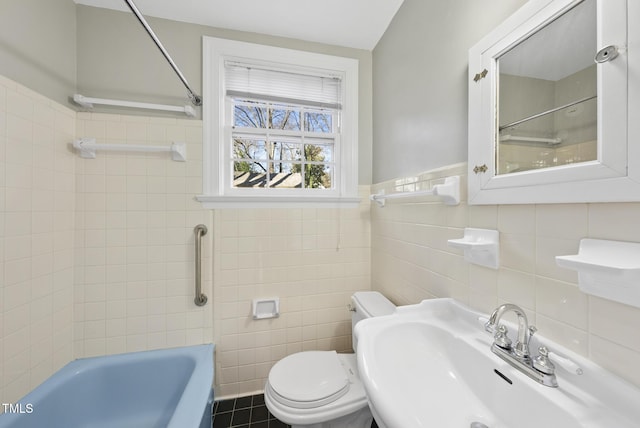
549,97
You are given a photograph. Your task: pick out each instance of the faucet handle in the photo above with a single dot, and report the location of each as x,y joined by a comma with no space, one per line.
566,363
542,363
488,327
501,339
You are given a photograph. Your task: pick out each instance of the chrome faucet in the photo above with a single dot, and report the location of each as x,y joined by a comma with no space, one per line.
540,369
521,348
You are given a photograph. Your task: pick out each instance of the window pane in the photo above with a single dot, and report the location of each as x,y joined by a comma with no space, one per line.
291,160
283,167
318,152
246,148
285,151
318,121
285,175
318,176
250,115
281,118
249,174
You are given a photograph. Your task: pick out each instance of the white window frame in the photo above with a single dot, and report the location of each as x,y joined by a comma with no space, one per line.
217,189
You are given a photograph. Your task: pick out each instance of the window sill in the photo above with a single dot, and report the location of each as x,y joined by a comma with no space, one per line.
214,202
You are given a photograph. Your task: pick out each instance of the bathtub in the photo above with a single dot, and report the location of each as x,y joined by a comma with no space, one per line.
169,388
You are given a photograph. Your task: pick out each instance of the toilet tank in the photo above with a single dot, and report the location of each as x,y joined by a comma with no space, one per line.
367,304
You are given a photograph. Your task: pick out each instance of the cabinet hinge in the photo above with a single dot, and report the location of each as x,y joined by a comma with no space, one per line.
480,168
480,75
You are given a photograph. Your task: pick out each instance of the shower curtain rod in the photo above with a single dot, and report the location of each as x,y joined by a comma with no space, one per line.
195,98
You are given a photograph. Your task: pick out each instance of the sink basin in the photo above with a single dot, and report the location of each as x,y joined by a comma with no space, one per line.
430,365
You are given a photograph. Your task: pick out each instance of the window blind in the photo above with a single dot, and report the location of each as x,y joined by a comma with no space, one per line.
287,87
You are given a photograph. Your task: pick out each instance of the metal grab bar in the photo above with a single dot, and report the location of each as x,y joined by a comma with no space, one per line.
196,99
200,299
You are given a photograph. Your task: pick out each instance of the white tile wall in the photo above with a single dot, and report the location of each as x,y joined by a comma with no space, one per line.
36,238
96,256
411,262
134,241
312,259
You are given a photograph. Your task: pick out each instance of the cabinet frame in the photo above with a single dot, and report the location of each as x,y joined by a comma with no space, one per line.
615,175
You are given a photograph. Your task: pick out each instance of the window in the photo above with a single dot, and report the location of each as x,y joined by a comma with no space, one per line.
280,126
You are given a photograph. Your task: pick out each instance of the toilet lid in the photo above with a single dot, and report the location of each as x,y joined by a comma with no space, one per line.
309,379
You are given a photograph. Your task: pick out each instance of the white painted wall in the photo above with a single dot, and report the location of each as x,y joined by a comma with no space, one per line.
420,83
38,46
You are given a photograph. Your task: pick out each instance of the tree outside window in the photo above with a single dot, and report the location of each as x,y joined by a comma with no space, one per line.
282,146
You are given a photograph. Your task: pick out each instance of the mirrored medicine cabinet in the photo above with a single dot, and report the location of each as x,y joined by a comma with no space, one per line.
552,105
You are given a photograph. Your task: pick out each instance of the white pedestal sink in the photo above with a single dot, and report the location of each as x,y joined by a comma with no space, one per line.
430,365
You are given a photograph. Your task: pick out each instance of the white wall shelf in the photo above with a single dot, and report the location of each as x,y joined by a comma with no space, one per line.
481,246
607,269
449,192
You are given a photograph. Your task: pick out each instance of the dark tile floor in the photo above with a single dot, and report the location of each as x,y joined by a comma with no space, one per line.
247,412
244,412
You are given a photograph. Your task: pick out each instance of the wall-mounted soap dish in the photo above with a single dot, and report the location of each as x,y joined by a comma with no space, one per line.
265,308
607,269
480,246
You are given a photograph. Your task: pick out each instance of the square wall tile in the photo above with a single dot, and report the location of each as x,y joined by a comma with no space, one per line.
406,269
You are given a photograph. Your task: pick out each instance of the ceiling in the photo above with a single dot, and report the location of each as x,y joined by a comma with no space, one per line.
351,23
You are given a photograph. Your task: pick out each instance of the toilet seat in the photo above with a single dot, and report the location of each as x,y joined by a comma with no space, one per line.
307,380
340,413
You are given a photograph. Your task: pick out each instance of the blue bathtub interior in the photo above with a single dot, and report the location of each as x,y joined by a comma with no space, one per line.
169,388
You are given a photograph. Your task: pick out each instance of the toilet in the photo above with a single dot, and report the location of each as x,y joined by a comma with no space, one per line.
322,389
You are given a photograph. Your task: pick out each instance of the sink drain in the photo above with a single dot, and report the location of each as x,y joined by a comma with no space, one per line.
478,425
